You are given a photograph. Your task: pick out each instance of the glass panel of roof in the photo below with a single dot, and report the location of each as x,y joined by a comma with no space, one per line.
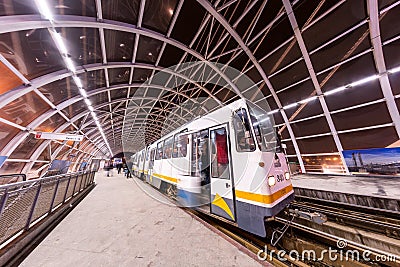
119,45
391,52
8,79
51,124
17,7
25,109
341,49
119,75
148,50
170,56
93,79
32,52
321,144
354,70
45,155
83,44
12,167
75,109
99,99
294,74
73,7
312,108
141,75
395,83
26,148
60,90
7,132
121,10
374,138
389,23
119,93
157,14
354,96
296,93
306,128
356,118
188,21
348,14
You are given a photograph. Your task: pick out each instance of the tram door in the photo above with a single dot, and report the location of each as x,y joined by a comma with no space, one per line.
222,198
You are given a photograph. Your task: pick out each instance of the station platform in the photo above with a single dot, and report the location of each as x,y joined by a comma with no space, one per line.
118,224
369,191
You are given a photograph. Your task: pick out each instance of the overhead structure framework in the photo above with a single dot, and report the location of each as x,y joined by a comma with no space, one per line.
329,70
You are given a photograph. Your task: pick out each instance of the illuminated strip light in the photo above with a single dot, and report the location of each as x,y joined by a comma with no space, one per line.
394,70
44,9
46,13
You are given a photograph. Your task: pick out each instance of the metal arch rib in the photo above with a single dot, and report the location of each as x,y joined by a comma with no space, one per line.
210,9
310,69
380,63
55,76
67,103
26,22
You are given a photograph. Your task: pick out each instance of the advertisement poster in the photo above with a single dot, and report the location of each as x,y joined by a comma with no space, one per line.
383,161
61,166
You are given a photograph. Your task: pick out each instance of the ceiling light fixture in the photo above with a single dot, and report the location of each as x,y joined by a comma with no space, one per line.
170,11
70,64
77,81
394,70
83,92
365,80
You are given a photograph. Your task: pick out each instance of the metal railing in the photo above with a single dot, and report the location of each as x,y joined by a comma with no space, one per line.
12,178
23,204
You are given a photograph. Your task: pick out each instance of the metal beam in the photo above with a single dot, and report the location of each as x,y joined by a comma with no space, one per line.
310,67
379,59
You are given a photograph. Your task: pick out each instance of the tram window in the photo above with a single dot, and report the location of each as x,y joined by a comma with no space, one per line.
263,128
180,146
159,150
148,154
244,139
168,148
219,154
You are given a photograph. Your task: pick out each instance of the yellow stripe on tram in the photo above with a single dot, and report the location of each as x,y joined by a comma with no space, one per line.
266,199
174,180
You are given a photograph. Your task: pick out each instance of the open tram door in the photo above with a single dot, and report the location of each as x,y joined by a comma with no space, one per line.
222,197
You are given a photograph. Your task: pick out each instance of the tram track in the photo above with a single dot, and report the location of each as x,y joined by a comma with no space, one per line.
362,220
299,235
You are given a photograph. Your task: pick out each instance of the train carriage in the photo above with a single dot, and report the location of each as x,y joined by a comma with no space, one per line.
228,163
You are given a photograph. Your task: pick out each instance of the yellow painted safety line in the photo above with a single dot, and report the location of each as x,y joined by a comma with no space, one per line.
266,199
174,180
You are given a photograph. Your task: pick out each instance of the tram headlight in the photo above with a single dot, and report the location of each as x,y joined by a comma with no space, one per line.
271,180
287,175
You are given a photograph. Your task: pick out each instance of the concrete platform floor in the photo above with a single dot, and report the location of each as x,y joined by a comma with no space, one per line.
386,187
118,224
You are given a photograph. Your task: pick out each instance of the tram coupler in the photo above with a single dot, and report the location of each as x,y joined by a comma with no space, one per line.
315,217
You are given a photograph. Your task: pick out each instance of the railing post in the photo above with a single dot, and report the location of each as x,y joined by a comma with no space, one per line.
3,201
54,196
66,189
76,181
28,222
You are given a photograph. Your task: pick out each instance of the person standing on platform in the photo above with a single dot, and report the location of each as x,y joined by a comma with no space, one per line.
119,167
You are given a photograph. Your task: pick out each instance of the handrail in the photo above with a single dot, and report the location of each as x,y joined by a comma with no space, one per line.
24,203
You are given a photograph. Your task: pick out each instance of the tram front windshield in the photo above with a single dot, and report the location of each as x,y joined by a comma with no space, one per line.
263,128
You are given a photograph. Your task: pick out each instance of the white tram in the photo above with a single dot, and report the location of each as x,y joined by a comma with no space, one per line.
228,163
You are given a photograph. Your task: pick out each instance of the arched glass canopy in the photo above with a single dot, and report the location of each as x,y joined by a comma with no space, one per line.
329,70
